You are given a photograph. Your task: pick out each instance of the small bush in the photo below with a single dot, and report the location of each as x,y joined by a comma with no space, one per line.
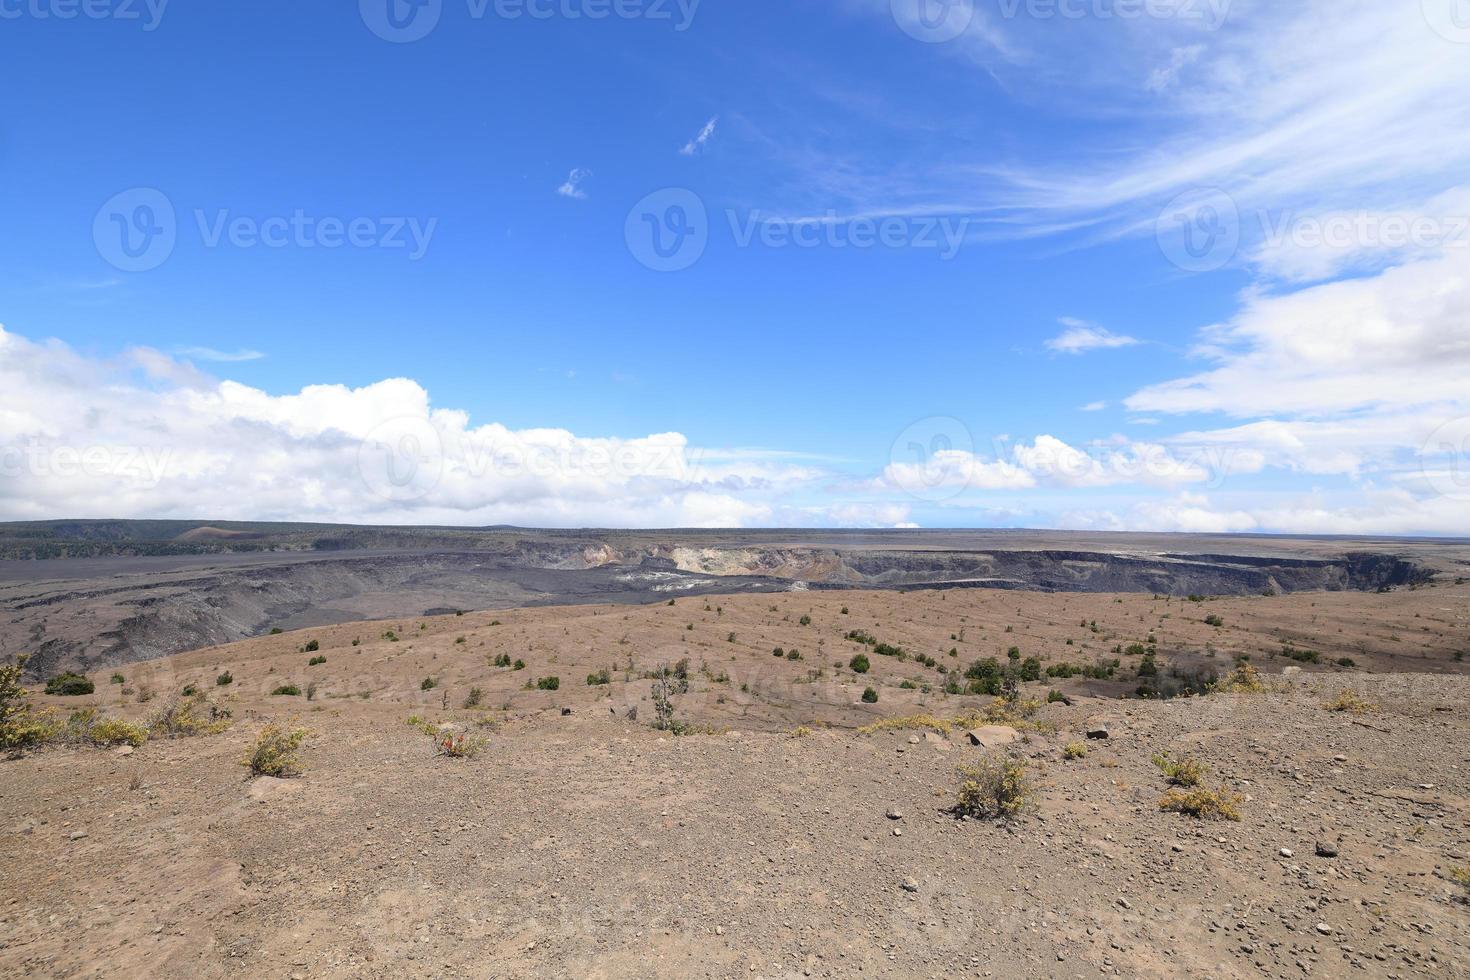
274,753
1244,679
1204,804
314,661
458,746
518,665
286,691
860,664
118,679
1075,750
1180,772
1351,702
778,652
473,699
870,696
805,620
225,679
185,717
1461,877
428,684
600,678
1214,621
1053,696
114,731
69,685
502,660
793,655
189,691
276,631
548,684
312,646
995,788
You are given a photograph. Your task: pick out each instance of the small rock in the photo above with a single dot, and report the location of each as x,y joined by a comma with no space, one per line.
565,712
897,832
1098,731
910,885
719,930
993,736
894,813
1285,852
123,750
1326,849
1324,928
914,740
77,835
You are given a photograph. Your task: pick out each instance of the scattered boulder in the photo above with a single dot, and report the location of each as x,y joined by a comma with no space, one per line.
1326,849
1098,730
910,885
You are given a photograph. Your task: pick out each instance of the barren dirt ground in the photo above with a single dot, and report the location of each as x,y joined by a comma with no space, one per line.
786,842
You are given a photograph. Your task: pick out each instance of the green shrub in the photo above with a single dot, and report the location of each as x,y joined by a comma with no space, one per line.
1054,696
225,679
69,685
118,679
995,788
428,684
1075,750
1186,772
502,660
600,678
287,691
806,620
1214,621
312,646
189,691
276,631
473,699
860,664
870,696
518,665
274,752
315,661
548,683
778,652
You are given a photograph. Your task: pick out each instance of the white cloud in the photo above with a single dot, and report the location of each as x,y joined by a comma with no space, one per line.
143,435
703,137
1080,337
572,187
210,354
1094,406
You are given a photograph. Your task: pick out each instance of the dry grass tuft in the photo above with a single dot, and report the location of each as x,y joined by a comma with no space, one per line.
1244,679
186,717
1351,702
1205,804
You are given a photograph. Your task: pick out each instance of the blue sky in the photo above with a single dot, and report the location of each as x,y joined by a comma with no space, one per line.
1059,340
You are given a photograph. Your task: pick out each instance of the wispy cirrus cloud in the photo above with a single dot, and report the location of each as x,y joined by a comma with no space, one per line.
572,186
701,138
1081,337
220,356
